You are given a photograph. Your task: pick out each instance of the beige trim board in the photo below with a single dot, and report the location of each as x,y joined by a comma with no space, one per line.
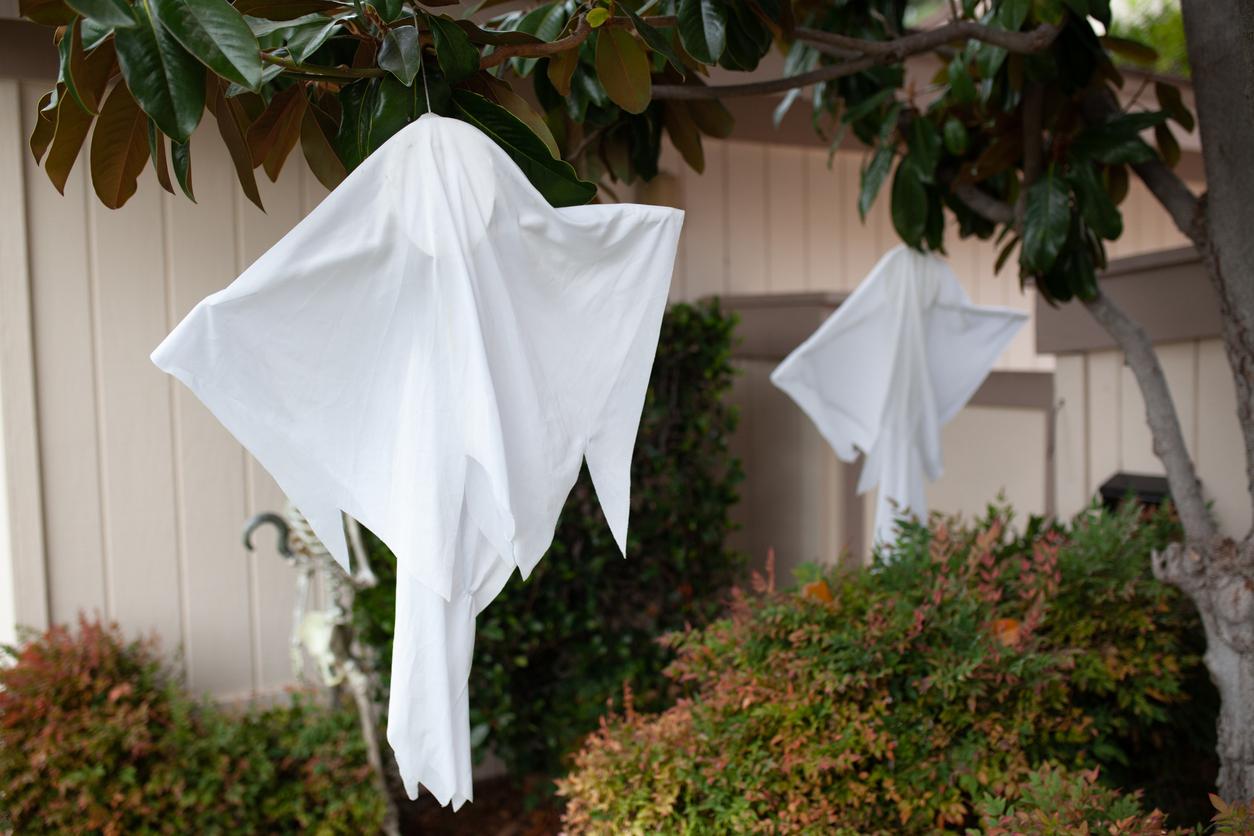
1167,292
22,549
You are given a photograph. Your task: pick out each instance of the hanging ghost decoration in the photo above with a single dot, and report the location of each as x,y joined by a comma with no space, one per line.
896,361
435,351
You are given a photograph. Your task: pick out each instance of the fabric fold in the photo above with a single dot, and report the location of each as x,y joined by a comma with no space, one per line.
432,351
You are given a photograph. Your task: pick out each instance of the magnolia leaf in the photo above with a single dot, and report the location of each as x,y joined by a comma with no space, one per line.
319,153
683,132
1096,207
657,42
284,9
85,75
555,179
72,126
955,137
119,148
401,54
1046,220
112,13
623,70
46,12
597,17
544,23
232,127
274,133
925,144
1167,145
703,28
1173,105
873,176
45,127
166,81
181,156
909,202
561,68
504,95
217,35
457,55
1132,50
156,153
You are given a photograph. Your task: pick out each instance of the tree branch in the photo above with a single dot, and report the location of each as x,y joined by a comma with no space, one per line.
576,38
896,49
1176,197
1160,411
873,54
312,71
984,204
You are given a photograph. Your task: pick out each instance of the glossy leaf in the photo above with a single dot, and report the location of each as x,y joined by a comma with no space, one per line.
457,55
1047,218
181,157
561,68
166,81
216,34
389,10
112,13
73,123
656,41
232,127
596,17
1098,210
909,202
85,76
284,9
95,33
319,153
1172,104
925,143
873,176
504,95
275,132
961,87
119,148
1167,145
545,24
45,127
623,70
47,12
401,53
684,135
555,179
955,137
156,153
703,28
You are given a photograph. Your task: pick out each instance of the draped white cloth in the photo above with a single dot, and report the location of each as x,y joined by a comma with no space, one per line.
434,351
896,361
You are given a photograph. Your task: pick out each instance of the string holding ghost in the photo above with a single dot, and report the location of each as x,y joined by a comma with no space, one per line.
435,351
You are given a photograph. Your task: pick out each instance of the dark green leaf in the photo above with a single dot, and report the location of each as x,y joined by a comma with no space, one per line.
1004,255
1173,105
216,34
925,147
1132,50
457,55
166,81
623,70
1012,14
554,179
95,33
703,28
955,136
1098,210
1046,221
181,156
545,24
1167,145
961,87
873,177
400,54
389,10
657,42
112,13
909,203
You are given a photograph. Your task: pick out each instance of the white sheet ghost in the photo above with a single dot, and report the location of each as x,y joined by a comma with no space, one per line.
896,361
434,351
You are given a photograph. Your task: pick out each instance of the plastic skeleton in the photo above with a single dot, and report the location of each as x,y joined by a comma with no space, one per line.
325,636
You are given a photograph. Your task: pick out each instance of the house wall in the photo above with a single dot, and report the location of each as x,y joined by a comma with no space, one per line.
124,497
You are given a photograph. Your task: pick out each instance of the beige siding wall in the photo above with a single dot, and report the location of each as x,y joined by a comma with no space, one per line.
1102,429
126,498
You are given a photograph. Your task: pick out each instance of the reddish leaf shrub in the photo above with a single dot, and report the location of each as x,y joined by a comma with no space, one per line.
896,699
96,735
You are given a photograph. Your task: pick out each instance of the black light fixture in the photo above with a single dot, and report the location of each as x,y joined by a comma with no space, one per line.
1149,491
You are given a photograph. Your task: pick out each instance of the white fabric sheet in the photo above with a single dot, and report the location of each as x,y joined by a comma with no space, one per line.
895,362
434,350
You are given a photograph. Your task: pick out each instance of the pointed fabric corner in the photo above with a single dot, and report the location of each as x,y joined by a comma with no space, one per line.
897,360
432,351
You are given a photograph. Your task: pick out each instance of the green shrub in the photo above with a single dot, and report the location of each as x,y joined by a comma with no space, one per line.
551,651
95,735
894,699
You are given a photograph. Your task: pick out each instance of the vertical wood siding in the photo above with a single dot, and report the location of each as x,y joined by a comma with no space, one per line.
143,493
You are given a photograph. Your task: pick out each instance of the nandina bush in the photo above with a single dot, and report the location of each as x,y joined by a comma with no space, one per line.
895,699
96,735
550,651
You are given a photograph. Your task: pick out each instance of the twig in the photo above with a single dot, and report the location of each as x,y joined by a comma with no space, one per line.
344,73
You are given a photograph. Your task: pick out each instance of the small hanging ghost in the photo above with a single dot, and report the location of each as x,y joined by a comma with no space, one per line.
896,362
435,351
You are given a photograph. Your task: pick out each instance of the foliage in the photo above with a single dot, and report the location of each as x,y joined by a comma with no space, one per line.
549,652
96,735
1159,24
1054,801
339,79
896,699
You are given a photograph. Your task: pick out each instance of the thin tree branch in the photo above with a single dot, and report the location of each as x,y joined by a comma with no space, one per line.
1037,40
984,204
1176,197
1160,412
578,35
874,53
310,70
